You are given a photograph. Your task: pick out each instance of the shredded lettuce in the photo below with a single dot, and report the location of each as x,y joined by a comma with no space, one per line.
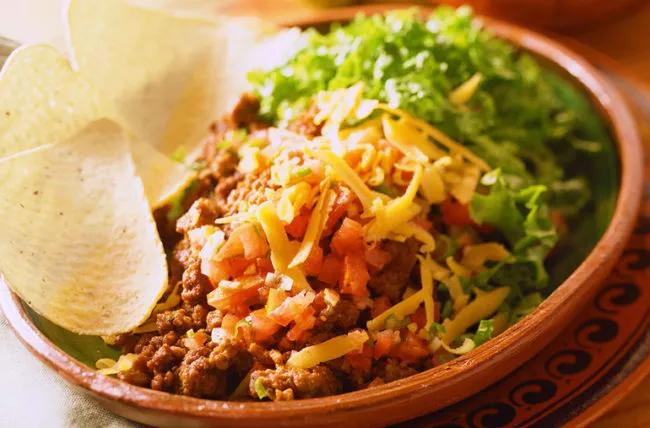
260,389
522,217
520,117
483,332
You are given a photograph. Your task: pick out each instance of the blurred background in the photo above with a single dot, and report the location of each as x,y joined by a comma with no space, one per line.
619,29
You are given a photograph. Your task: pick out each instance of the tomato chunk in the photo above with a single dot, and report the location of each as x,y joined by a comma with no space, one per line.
455,214
355,275
245,240
376,257
361,359
411,349
385,341
331,270
292,307
304,322
419,317
263,326
348,238
380,305
314,262
344,198
296,229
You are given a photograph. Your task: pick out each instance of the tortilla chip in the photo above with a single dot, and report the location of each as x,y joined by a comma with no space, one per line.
79,242
160,70
163,177
42,100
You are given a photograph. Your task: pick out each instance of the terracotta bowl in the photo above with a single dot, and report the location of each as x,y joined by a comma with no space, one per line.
555,14
424,392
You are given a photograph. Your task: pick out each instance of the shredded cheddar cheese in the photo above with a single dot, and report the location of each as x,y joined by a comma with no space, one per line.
426,276
282,252
463,93
475,256
400,311
315,226
438,136
331,349
485,304
398,211
347,175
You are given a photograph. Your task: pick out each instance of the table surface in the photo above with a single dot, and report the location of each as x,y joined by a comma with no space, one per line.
627,41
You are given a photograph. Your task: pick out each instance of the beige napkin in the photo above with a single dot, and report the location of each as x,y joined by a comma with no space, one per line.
32,395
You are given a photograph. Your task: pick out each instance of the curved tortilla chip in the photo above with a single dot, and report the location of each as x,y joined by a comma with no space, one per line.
163,178
160,70
79,242
42,100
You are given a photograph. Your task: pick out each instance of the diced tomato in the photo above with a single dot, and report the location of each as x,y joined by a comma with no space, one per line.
361,359
254,241
292,307
237,266
296,229
264,265
245,240
348,239
411,349
228,323
380,305
385,341
454,213
304,322
263,326
319,301
196,341
238,299
376,257
215,271
312,266
419,317
355,276
344,198
332,270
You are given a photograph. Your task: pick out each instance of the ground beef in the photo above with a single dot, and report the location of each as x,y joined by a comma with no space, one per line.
342,316
202,212
165,358
393,278
213,319
177,320
245,111
304,123
391,370
195,285
198,377
227,352
250,189
303,383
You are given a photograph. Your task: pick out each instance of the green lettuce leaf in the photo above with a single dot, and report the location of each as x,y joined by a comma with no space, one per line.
523,219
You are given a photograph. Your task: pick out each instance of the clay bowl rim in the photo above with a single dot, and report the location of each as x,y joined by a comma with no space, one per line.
439,386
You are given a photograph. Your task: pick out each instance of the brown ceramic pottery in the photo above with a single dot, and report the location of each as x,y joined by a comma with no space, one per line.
555,14
432,389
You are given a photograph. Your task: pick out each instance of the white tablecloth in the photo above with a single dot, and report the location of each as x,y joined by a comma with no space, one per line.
32,395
